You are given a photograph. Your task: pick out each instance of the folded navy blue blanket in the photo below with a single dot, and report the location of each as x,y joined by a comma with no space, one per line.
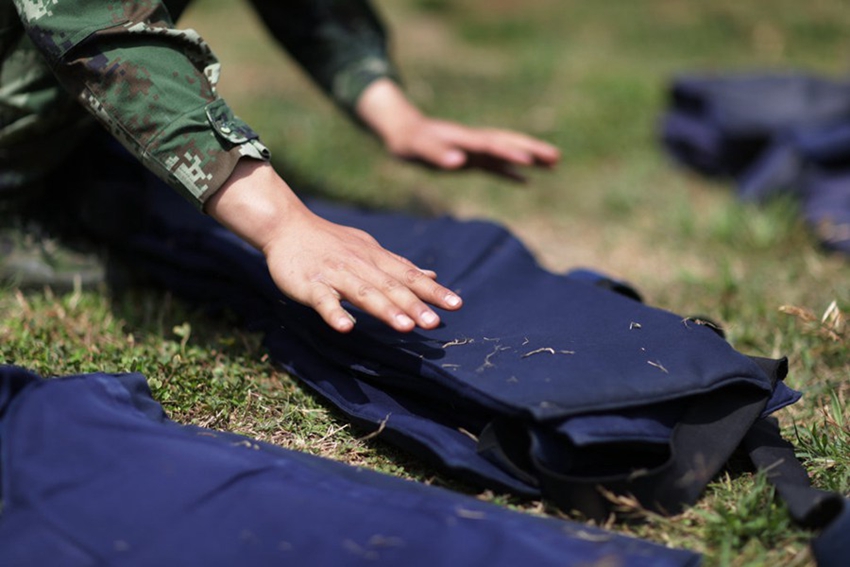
771,134
542,384
93,473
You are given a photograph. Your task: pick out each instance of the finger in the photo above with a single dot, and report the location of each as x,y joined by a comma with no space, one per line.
435,145
522,149
375,302
430,273
403,297
397,291
508,152
426,288
441,154
391,289
326,301
513,147
496,166
543,153
546,155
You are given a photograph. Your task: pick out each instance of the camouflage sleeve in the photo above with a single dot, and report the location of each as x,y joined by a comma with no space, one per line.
150,85
340,43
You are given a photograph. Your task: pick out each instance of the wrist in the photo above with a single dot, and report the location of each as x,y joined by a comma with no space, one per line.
255,203
385,109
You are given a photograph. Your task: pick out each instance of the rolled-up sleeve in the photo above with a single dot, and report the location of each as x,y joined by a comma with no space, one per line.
151,85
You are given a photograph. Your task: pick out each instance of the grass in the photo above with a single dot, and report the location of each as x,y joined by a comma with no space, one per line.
589,77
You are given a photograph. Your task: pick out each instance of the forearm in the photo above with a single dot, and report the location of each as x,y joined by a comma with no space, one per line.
255,203
150,85
341,44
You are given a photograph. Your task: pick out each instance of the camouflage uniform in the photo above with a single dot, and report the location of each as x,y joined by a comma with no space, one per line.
153,86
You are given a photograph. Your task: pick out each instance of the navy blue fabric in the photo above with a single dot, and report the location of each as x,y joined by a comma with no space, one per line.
772,134
537,348
830,547
94,474
811,508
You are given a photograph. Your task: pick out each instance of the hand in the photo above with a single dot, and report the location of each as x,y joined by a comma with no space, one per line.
319,263
447,145
408,134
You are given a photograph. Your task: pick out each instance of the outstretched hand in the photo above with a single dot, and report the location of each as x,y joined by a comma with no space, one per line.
408,134
447,145
319,263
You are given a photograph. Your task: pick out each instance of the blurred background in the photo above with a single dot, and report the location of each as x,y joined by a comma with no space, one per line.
592,78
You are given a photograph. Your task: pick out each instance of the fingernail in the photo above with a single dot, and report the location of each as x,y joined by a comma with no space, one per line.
452,300
404,320
346,322
430,318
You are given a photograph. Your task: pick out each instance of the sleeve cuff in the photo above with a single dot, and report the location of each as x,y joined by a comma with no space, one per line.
200,150
350,82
